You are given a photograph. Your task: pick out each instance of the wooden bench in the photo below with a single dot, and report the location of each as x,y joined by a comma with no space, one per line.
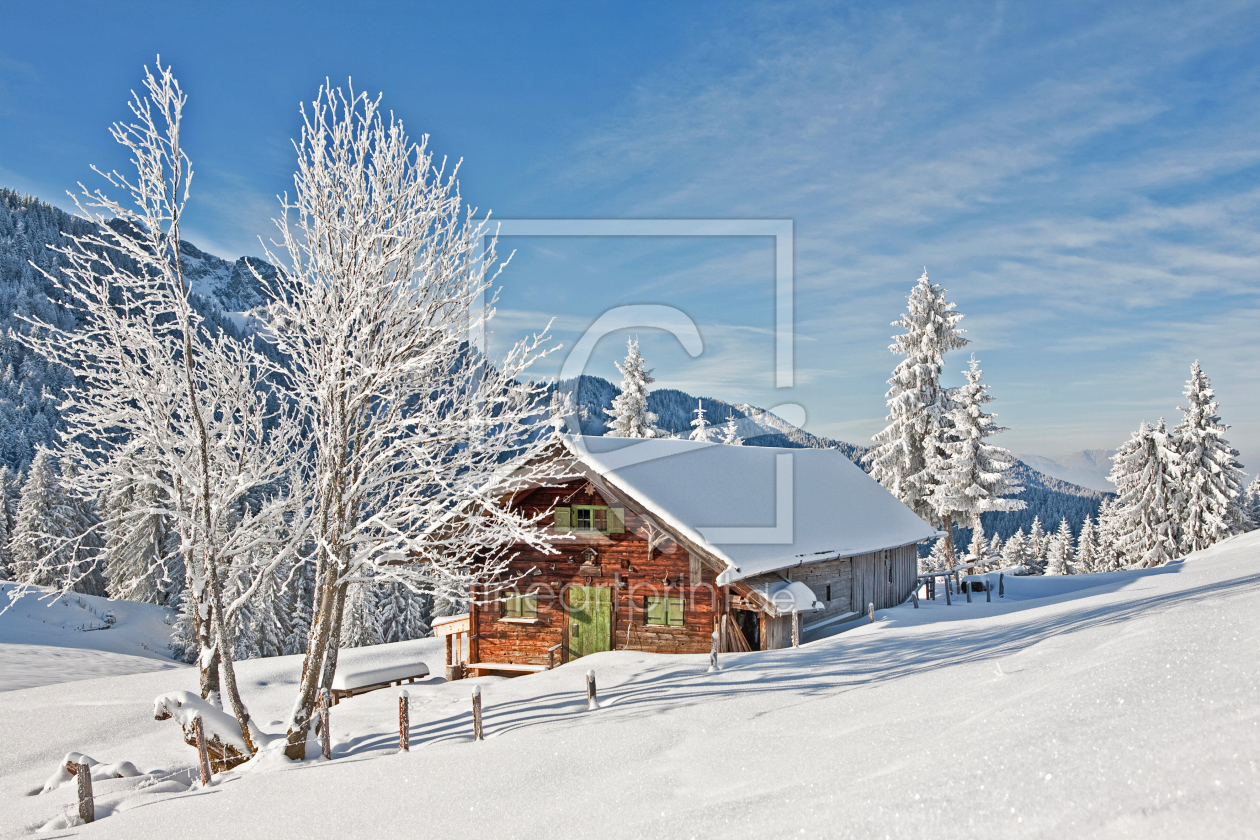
349,683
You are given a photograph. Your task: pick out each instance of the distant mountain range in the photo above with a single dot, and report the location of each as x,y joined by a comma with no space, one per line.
225,290
1088,468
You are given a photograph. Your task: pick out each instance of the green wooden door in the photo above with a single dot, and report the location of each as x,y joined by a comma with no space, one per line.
590,620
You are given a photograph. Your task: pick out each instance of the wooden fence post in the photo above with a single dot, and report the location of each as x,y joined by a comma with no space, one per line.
713,652
404,722
592,700
948,602
988,591
1001,586
914,595
796,629
870,612
967,584
325,734
476,698
87,805
203,754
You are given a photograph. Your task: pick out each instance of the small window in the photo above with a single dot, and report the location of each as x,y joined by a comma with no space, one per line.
664,612
598,518
521,606
829,592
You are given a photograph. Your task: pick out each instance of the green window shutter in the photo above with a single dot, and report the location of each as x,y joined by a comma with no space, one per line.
529,606
616,520
562,519
656,610
675,612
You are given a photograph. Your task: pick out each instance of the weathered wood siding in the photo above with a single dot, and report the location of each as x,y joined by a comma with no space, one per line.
621,558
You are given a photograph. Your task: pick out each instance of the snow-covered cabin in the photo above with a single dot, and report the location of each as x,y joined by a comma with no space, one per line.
662,542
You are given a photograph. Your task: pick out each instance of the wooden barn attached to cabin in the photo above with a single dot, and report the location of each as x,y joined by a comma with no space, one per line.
662,542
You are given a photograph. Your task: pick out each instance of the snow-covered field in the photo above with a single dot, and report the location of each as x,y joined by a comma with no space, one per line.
1120,705
46,641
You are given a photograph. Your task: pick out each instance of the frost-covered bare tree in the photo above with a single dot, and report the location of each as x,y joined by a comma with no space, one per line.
178,414
416,438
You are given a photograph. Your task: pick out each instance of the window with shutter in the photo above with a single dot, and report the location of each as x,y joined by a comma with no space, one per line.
664,612
521,606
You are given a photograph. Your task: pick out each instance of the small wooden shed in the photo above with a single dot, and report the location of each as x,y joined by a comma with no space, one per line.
659,543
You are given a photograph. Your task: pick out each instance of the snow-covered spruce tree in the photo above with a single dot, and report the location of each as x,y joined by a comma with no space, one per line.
1059,550
403,614
415,437
730,432
1208,473
1144,471
1087,558
918,406
700,426
629,412
362,620
1253,503
1038,543
141,557
10,491
153,385
1110,553
1017,553
41,542
300,586
995,546
978,548
6,559
970,477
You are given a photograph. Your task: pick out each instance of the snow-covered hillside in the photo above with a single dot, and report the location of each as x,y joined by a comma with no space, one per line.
1087,468
78,637
1118,705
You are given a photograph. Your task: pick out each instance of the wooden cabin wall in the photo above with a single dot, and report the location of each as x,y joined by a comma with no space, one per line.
620,557
838,574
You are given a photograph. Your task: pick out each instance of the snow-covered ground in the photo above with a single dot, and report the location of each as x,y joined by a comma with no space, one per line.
45,640
1124,705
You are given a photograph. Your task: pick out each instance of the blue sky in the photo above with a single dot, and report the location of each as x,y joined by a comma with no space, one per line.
1083,178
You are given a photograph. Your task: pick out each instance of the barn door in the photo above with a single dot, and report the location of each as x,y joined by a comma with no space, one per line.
590,620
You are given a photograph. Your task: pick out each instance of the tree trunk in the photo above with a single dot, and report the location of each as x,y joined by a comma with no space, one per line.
329,669
209,670
312,666
947,525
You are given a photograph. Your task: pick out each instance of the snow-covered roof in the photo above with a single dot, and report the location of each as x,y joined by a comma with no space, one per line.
756,508
787,596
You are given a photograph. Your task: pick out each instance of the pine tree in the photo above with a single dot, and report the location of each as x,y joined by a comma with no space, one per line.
1145,473
730,432
1253,502
1037,545
10,492
39,543
629,412
141,556
1110,526
995,546
972,477
699,425
978,550
301,591
1087,557
268,635
917,404
1016,553
1209,477
362,626
6,561
1059,552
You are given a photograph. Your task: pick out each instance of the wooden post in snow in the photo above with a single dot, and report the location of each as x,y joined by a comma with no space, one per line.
476,697
796,629
967,585
870,612
592,700
914,595
1001,586
203,754
404,722
325,734
948,602
87,805
713,652
988,590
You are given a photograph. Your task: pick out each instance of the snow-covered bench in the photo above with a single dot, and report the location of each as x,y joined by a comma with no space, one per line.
350,681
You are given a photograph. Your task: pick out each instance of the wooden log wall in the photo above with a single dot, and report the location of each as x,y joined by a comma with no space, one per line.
621,563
